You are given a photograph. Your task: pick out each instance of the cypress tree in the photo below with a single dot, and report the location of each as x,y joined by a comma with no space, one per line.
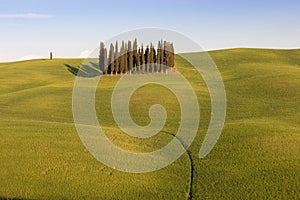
51,56
122,63
117,67
165,59
172,56
151,62
162,56
158,57
135,48
102,58
138,62
130,57
142,58
126,58
105,66
154,59
111,56
147,59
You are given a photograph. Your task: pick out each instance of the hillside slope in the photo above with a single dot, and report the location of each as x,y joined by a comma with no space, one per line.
257,155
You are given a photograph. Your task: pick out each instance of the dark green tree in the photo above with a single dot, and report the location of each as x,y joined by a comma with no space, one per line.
105,61
138,61
142,58
130,57
151,61
122,63
134,52
111,56
102,58
117,65
147,59
158,57
172,55
126,58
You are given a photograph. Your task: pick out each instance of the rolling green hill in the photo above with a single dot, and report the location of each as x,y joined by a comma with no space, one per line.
257,155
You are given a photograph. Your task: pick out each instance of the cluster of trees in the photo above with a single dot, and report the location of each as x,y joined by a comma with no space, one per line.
133,59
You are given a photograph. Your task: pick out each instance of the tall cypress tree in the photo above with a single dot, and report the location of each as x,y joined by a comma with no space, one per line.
122,63
130,57
147,59
101,57
138,62
111,66
162,55
142,57
151,63
172,56
154,59
158,57
126,58
117,67
105,68
135,48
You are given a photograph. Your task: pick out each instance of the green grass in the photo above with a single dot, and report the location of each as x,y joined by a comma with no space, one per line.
257,155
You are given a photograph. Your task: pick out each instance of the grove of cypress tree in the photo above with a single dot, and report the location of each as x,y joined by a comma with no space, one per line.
138,60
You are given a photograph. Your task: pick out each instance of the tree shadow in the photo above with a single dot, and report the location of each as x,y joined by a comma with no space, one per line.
12,198
89,69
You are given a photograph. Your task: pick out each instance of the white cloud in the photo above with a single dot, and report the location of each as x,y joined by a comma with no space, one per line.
25,16
30,57
85,54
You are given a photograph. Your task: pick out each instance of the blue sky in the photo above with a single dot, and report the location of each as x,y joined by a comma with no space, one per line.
33,28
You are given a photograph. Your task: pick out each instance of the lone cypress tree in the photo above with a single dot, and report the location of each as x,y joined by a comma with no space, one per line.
51,56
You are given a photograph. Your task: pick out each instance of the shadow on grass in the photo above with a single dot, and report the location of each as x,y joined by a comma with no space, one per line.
84,70
12,198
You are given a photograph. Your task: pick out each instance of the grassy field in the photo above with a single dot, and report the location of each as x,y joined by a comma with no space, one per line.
257,155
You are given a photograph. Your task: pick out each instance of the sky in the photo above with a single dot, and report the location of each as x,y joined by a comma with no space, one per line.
73,28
